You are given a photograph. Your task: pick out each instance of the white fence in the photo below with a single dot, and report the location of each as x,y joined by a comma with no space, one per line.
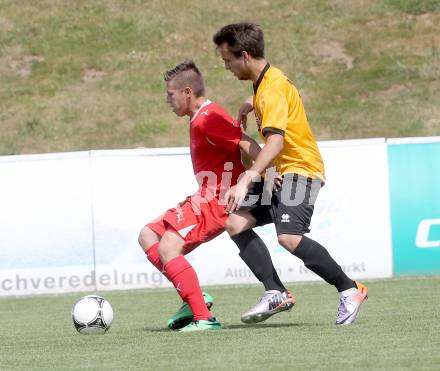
70,222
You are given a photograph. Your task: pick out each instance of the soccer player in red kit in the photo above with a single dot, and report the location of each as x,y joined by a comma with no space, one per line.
215,142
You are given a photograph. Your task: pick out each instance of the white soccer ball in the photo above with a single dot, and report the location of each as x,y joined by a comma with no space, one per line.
92,314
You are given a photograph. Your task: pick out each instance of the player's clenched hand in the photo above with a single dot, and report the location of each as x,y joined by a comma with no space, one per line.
244,110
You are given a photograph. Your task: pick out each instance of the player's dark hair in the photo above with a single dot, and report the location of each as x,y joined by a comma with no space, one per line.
186,74
241,37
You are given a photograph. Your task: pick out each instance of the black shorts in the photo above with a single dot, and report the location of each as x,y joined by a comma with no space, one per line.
290,208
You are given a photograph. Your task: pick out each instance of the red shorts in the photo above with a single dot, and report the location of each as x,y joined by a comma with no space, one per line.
196,224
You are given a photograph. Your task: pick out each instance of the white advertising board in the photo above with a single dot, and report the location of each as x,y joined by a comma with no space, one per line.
45,220
351,219
70,222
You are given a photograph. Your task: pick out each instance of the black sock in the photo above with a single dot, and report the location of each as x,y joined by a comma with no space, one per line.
318,260
255,254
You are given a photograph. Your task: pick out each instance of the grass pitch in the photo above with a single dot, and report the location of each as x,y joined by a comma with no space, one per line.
398,328
76,75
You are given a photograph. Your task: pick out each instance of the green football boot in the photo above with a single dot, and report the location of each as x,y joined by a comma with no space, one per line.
202,325
184,315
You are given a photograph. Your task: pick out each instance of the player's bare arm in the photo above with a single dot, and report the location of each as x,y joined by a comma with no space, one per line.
235,196
274,145
249,146
244,110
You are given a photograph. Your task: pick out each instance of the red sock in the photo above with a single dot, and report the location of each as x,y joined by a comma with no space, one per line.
184,279
153,256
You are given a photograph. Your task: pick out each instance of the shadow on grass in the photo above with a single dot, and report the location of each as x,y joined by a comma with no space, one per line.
243,326
262,325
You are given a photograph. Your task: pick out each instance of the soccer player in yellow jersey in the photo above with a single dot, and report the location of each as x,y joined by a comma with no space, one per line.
291,147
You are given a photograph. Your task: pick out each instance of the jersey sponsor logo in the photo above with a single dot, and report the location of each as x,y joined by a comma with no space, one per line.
285,218
184,231
422,235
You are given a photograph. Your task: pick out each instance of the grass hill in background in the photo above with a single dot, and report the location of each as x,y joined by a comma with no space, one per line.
78,75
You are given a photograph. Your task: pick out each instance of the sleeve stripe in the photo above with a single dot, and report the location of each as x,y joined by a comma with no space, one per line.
273,130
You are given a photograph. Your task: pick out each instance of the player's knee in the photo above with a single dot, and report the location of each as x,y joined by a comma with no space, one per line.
289,241
232,225
142,238
238,222
147,238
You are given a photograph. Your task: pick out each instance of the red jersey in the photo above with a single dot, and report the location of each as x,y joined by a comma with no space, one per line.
216,159
215,154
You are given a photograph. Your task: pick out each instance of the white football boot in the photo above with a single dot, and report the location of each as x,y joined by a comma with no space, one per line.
349,305
272,302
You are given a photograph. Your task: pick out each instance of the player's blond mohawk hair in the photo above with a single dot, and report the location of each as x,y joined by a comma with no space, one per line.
186,74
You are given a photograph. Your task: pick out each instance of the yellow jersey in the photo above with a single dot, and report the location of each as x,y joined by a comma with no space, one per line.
278,108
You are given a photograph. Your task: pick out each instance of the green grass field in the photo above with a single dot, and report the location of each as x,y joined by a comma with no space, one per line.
81,74
399,328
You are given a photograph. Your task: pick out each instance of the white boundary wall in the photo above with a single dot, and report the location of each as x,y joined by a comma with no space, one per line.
70,221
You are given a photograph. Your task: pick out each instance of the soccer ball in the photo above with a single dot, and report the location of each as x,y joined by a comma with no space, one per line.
92,314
